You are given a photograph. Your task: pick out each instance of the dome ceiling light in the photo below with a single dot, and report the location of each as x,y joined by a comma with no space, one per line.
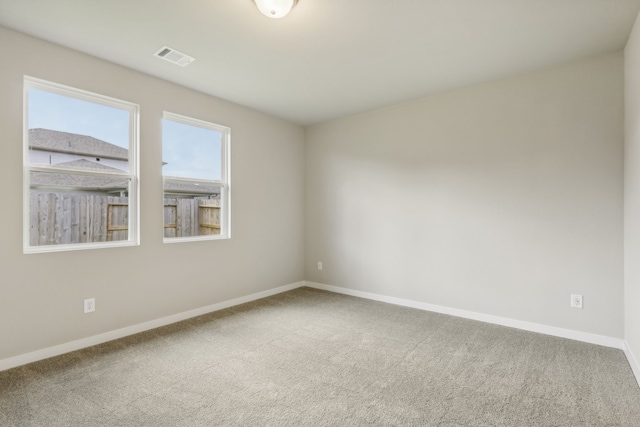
275,8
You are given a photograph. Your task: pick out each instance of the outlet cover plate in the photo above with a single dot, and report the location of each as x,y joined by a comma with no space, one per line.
576,301
89,305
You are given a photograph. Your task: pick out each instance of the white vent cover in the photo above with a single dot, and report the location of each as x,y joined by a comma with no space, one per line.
174,56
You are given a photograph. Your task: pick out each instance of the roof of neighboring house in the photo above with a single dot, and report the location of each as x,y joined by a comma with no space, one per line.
64,142
189,188
108,183
85,164
78,182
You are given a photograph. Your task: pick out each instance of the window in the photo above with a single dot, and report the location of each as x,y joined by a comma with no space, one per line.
80,169
195,168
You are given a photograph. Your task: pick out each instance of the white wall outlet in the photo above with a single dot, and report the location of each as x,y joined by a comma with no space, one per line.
576,301
319,265
89,305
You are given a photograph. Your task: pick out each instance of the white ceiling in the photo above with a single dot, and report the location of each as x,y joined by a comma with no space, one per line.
330,58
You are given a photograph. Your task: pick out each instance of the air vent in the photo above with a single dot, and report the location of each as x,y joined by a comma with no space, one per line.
174,56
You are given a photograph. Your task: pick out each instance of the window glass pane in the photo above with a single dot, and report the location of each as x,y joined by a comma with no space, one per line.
191,151
69,209
196,196
81,184
77,134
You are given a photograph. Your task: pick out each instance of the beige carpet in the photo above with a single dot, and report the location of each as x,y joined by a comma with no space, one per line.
313,358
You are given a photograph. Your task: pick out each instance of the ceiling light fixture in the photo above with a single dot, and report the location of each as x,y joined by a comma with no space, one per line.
275,8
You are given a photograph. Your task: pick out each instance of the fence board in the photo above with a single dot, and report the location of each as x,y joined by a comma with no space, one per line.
50,215
209,212
33,221
75,222
170,218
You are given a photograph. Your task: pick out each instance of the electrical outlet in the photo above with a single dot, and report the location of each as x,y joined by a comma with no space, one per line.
319,265
89,305
576,301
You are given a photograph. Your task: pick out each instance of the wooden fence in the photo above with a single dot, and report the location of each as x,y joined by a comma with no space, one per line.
65,218
191,217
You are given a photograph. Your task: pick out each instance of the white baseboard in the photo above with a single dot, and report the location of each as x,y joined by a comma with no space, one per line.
512,323
633,361
57,350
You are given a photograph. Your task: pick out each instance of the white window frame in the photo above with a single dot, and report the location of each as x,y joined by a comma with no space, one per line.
223,182
132,174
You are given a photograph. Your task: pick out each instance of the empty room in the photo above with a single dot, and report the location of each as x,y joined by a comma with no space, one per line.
320,213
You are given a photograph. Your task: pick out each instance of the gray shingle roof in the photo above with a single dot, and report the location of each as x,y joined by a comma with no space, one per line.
85,164
78,182
107,183
64,142
189,188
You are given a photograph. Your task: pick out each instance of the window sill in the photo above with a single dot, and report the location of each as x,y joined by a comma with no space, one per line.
78,247
195,238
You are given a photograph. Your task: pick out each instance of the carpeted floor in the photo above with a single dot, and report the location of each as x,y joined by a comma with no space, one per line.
313,358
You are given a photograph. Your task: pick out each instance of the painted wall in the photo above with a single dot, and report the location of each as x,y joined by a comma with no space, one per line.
41,294
501,199
632,198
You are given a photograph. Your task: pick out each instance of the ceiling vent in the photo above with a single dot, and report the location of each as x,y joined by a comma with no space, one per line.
174,56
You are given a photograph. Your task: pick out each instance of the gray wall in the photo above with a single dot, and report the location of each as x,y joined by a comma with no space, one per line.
41,294
632,195
502,198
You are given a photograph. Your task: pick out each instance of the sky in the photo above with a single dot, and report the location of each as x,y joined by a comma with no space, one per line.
56,112
189,151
